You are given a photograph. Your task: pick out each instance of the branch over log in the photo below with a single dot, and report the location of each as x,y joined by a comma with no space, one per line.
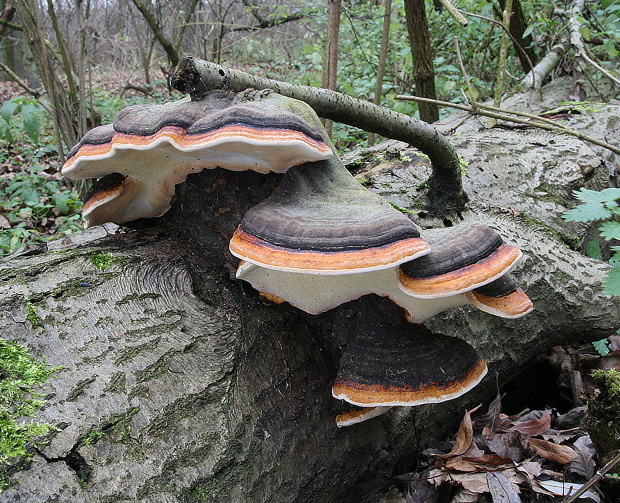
445,194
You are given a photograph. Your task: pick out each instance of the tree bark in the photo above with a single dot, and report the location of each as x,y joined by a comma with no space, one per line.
445,195
383,52
182,385
422,54
329,79
523,45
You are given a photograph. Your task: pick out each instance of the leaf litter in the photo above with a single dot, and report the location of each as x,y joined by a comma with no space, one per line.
540,455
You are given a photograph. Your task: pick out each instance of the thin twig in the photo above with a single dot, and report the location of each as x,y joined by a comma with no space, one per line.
20,82
498,23
598,476
539,122
463,71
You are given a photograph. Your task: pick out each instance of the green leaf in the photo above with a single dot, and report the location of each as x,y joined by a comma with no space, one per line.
61,202
601,347
587,212
610,230
8,109
593,250
31,125
611,282
597,196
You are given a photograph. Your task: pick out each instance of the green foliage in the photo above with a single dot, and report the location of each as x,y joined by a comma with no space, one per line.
601,347
602,205
31,202
20,115
610,380
20,376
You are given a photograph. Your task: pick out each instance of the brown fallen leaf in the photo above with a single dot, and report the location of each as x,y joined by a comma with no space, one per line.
507,445
465,496
584,465
533,426
553,452
488,461
464,437
490,420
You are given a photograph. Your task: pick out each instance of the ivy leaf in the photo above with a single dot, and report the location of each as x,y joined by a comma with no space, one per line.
611,282
596,196
587,212
610,230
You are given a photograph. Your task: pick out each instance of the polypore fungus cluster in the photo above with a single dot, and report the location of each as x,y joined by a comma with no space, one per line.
320,240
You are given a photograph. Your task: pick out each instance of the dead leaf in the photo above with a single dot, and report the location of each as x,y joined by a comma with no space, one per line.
465,496
4,222
584,464
464,437
502,491
488,421
553,452
530,470
488,461
534,426
566,488
506,445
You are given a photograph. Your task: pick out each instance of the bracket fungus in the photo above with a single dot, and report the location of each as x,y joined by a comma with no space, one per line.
155,147
320,220
320,240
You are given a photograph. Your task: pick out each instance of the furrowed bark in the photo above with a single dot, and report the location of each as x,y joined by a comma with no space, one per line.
445,195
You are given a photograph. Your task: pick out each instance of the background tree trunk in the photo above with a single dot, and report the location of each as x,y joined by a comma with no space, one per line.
422,54
330,59
383,52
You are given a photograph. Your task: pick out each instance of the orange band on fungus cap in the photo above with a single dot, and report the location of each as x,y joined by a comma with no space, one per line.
459,263
320,220
501,298
263,253
406,368
359,415
157,146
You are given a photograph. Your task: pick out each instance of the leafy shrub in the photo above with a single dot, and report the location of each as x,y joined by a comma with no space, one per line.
27,110
34,204
598,206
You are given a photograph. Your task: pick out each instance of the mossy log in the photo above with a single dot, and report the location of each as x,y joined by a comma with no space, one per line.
182,385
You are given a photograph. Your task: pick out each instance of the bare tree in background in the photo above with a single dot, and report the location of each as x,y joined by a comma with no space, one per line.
423,71
330,60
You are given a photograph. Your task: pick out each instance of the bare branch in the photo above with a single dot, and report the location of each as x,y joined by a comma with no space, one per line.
446,193
504,115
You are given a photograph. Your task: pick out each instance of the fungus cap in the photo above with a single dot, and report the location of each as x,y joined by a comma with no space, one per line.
321,221
467,258
401,368
157,146
501,298
359,415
